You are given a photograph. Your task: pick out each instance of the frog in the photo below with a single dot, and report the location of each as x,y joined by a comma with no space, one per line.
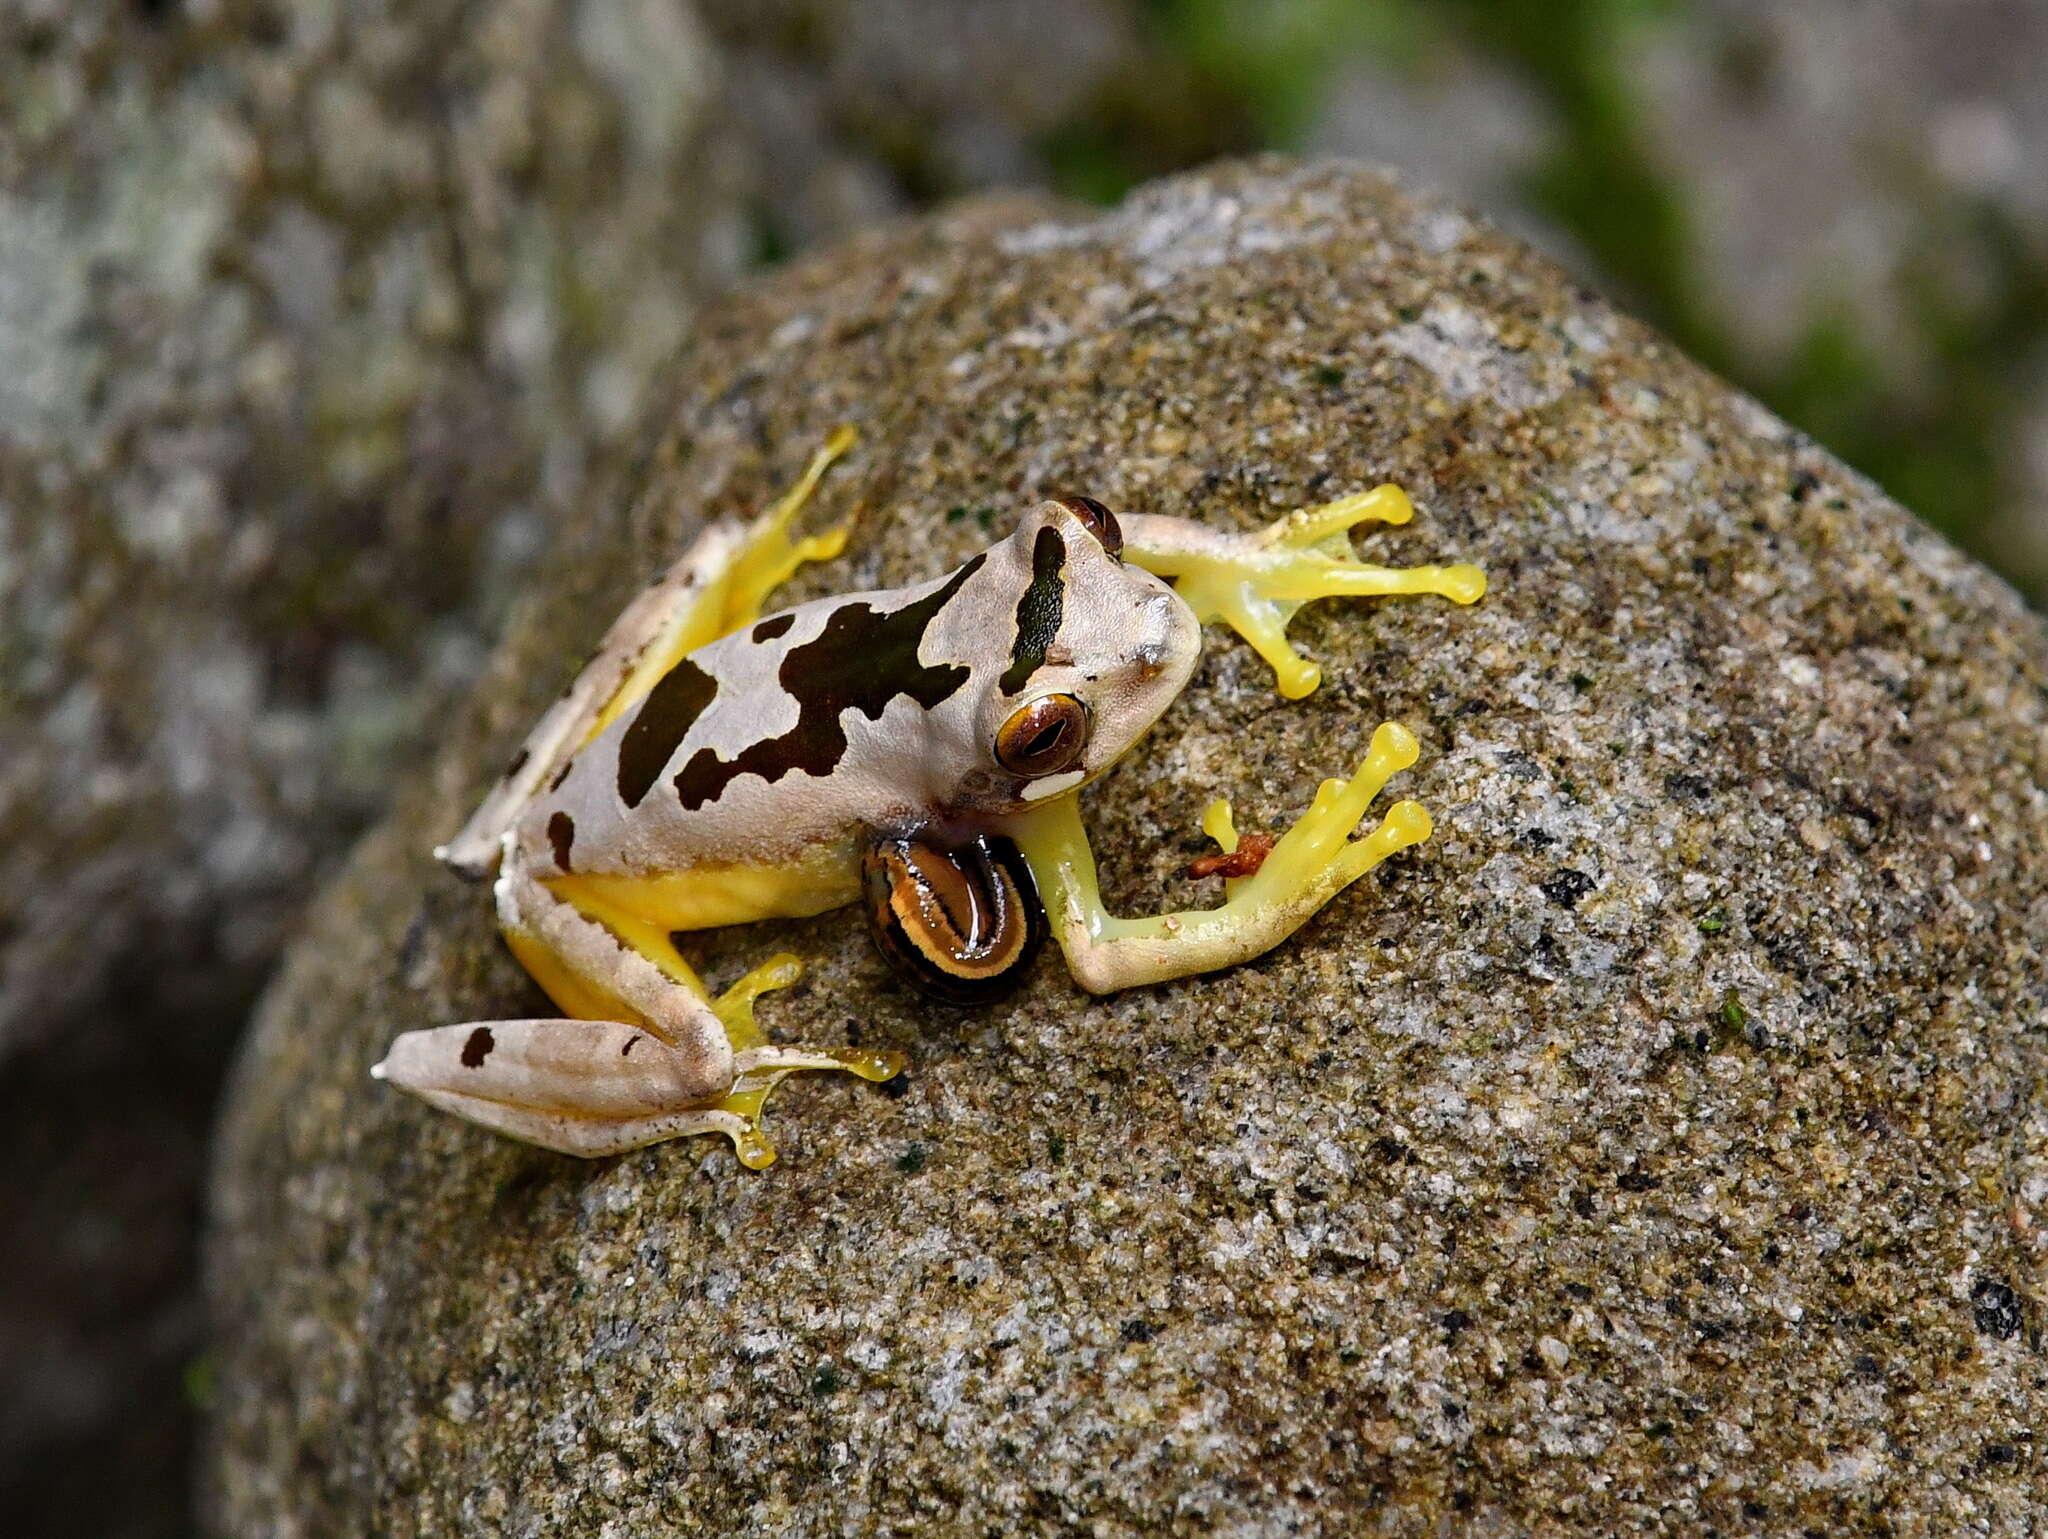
917,752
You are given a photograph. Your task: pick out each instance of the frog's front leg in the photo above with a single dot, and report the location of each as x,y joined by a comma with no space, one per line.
1256,583
644,1054
1314,861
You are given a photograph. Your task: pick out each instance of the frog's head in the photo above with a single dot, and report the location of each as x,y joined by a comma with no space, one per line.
1093,651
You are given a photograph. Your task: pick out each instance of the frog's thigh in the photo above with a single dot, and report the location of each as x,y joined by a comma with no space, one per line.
643,1057
578,1087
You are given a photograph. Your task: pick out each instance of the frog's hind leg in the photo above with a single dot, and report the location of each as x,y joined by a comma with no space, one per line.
578,1087
717,586
1257,583
642,1055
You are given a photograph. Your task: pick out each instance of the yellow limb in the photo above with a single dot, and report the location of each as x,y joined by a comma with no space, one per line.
1314,861
1386,504
751,1089
759,1065
762,559
1257,583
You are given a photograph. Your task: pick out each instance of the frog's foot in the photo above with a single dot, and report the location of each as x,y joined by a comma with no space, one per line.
759,1065
1257,583
1309,865
1317,858
593,1088
767,556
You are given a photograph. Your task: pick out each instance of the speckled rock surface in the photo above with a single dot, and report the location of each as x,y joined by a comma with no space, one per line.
1661,1147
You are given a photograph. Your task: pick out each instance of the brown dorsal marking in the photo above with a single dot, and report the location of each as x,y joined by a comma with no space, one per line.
478,1048
773,626
659,727
562,837
864,658
1038,611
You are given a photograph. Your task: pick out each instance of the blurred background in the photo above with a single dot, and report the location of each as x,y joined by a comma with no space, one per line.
314,317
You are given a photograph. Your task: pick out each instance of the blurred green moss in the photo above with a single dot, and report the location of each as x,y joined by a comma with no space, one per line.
1230,76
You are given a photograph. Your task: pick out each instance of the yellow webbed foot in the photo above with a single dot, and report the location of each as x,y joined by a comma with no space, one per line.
1318,855
1269,892
1257,583
760,1065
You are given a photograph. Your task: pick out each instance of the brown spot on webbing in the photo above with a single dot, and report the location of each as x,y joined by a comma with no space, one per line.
659,727
478,1048
562,837
864,658
773,626
1245,860
561,775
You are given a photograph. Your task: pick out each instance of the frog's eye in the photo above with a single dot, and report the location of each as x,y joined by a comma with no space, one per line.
1043,737
1098,520
960,923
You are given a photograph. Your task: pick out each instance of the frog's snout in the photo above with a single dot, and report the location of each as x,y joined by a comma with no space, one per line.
1171,635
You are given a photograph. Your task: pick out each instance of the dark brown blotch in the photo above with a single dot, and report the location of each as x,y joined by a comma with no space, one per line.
562,837
518,763
478,1048
659,727
864,658
773,626
1039,611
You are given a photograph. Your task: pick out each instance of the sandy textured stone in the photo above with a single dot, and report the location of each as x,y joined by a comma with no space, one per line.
1661,1147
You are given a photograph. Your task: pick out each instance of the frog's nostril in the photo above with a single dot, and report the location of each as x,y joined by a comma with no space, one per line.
1148,658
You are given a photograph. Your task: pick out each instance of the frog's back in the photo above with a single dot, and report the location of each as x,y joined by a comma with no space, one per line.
768,744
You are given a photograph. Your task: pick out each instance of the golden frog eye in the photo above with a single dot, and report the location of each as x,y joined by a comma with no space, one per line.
1043,737
1099,521
961,922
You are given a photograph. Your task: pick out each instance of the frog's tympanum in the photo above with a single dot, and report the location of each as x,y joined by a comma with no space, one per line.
917,752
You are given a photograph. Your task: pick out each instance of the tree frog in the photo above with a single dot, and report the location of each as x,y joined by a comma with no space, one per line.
916,751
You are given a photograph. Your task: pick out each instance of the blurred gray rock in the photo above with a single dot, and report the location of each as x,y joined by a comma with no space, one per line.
306,315
857,109
1876,167
1660,1148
